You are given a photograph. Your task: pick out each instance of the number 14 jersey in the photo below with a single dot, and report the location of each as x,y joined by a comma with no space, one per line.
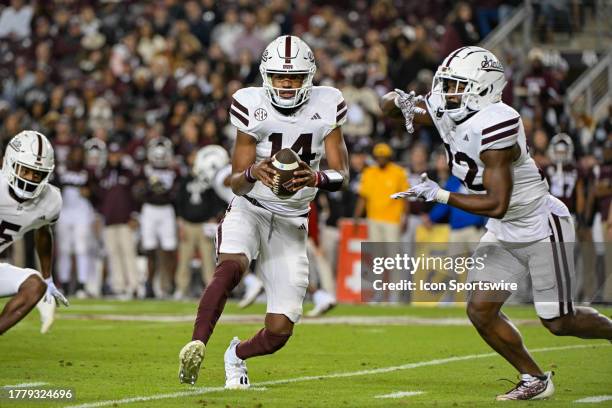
304,131
497,126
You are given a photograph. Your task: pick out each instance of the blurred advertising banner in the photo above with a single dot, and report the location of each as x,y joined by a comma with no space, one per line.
348,274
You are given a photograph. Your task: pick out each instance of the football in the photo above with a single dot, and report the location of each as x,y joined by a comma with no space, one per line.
285,162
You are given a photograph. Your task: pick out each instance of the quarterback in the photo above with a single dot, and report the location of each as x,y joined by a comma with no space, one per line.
286,112
27,202
527,228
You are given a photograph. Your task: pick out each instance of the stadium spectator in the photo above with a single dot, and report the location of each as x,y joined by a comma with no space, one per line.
15,20
385,216
460,30
114,198
196,205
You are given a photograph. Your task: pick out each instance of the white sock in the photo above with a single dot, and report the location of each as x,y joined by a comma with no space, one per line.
250,280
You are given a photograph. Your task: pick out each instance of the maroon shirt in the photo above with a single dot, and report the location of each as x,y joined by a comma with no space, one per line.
603,174
114,195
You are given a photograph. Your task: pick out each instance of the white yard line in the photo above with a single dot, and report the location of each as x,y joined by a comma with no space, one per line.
400,394
594,400
25,385
258,318
382,370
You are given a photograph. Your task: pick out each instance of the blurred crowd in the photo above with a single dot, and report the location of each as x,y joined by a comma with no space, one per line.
126,88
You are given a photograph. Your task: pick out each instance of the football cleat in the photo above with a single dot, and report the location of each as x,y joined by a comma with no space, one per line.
47,315
190,358
530,388
323,303
254,288
236,376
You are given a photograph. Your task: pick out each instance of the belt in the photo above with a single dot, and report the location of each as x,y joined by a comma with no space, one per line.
258,204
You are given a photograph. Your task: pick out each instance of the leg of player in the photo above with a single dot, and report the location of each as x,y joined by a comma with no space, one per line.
151,266
498,331
484,311
268,340
30,292
585,322
228,273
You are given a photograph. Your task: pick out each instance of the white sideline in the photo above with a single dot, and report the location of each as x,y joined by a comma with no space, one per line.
409,366
594,400
25,385
400,394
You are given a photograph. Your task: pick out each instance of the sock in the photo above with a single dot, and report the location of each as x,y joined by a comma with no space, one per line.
264,342
226,277
250,279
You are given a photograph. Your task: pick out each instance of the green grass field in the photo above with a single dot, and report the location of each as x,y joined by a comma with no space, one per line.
334,363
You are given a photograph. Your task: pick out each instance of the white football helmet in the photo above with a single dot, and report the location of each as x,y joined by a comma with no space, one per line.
561,149
287,55
475,75
95,154
208,161
159,152
28,150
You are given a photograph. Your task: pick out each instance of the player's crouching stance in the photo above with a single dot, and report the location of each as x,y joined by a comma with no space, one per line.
286,112
28,202
487,149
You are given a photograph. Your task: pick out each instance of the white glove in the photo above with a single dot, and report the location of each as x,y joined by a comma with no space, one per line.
407,103
427,189
54,294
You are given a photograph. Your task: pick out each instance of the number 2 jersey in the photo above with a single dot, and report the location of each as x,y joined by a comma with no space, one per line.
498,126
304,131
18,218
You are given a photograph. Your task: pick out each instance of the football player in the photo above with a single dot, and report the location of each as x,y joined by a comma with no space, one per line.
75,229
287,111
158,217
562,173
527,228
27,202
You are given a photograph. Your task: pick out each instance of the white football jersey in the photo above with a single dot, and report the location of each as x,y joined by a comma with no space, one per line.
224,192
497,126
18,218
304,131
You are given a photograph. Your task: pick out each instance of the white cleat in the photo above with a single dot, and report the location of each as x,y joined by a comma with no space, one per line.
530,388
323,303
236,376
190,358
254,286
47,315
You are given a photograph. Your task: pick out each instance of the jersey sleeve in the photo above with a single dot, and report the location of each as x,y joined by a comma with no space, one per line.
500,130
56,206
242,112
335,116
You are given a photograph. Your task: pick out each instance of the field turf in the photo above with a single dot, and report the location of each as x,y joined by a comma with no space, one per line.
361,356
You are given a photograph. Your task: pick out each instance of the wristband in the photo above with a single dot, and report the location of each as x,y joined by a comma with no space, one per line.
330,180
248,175
442,196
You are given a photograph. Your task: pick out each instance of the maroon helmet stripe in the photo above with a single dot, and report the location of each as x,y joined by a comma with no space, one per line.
340,106
288,49
40,147
453,56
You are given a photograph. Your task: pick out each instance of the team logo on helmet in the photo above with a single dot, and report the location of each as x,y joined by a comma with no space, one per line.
489,63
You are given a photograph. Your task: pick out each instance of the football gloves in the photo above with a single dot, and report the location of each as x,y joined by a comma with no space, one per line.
427,189
407,103
53,294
